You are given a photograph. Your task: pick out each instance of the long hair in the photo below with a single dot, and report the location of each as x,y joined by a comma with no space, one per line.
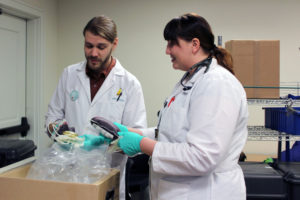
190,26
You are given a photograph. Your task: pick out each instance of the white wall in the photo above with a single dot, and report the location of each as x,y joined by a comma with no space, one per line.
50,58
51,71
42,66
142,47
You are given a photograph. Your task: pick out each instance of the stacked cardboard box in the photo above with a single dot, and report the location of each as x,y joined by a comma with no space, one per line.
256,65
15,186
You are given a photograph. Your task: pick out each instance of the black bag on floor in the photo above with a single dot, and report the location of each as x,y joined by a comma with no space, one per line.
13,150
291,174
263,182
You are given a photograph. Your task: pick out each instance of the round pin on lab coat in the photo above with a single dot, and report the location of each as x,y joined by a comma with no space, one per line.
74,95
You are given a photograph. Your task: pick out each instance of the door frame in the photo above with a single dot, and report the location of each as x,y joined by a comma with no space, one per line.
34,65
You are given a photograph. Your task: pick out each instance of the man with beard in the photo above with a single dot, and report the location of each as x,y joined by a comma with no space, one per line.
98,86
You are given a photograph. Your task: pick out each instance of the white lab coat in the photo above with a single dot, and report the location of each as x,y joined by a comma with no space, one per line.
201,135
72,101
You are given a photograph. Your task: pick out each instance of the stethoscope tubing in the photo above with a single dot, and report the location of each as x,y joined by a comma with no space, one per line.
205,63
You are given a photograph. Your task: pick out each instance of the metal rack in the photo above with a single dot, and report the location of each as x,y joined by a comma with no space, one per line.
285,88
273,102
260,133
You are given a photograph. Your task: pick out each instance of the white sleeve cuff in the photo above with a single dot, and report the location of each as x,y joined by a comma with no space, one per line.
149,132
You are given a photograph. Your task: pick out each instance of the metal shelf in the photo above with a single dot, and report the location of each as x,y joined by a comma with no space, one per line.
260,133
285,89
273,102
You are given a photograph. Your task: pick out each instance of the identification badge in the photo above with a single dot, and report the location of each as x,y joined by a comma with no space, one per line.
74,95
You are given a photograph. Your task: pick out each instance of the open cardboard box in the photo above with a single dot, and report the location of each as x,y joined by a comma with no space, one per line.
15,186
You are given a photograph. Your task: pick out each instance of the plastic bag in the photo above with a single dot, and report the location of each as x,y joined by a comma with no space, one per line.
72,165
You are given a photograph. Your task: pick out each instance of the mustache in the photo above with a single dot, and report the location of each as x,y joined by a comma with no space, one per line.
94,58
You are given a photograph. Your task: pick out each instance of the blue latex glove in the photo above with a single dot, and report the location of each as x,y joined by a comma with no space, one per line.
129,142
93,141
121,127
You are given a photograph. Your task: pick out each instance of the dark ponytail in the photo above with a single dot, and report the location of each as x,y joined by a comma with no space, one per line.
223,57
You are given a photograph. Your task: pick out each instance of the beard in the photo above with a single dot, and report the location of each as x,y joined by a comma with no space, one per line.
103,63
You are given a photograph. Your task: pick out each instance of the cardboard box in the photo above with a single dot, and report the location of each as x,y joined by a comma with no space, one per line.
256,65
242,52
15,186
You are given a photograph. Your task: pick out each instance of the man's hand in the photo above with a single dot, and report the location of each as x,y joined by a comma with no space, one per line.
58,127
93,141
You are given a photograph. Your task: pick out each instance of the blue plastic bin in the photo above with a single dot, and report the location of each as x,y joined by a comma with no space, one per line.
282,123
293,122
275,118
268,118
283,120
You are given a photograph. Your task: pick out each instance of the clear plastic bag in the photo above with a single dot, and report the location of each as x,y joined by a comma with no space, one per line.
72,164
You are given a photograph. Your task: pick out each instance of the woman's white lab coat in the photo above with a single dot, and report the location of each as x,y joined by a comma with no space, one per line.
201,135
72,101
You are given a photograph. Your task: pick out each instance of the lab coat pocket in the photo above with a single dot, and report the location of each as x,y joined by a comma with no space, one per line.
115,110
229,183
173,123
172,190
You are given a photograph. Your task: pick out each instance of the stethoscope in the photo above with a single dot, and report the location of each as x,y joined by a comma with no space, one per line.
204,63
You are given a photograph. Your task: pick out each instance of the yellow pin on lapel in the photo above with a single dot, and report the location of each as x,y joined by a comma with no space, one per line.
119,94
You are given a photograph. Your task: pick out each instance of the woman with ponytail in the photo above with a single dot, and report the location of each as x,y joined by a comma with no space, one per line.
202,126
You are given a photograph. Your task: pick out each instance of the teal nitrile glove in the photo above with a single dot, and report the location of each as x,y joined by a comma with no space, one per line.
121,127
129,142
93,141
